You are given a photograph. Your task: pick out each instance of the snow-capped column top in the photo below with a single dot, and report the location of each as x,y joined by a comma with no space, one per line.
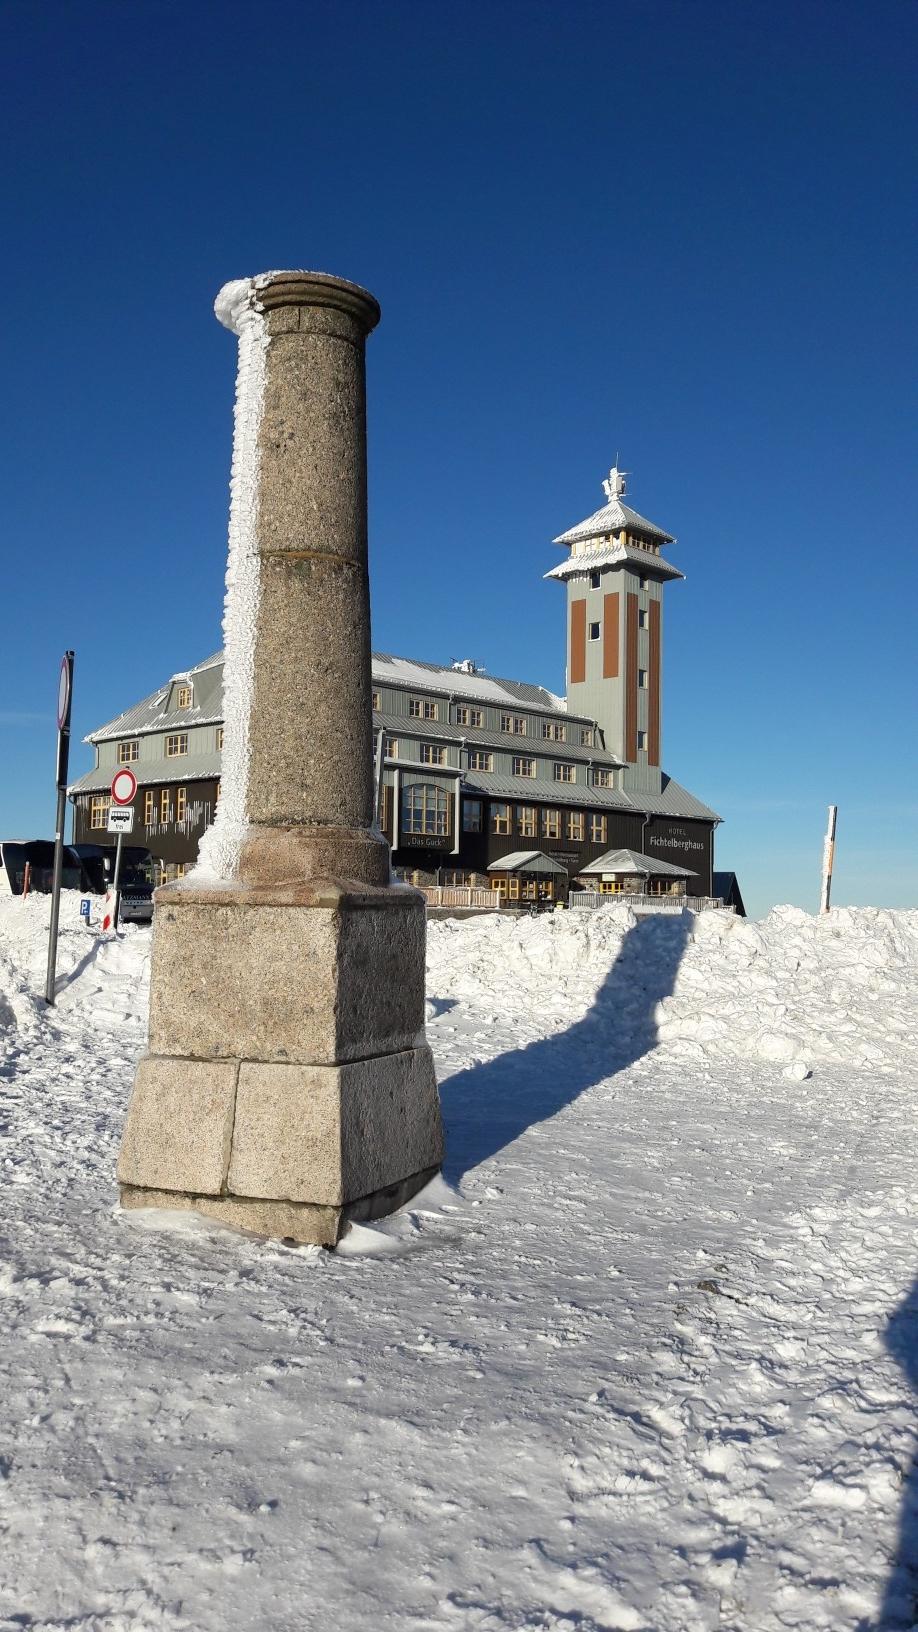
243,297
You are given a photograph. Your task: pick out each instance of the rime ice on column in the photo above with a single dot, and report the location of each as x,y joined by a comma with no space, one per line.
238,309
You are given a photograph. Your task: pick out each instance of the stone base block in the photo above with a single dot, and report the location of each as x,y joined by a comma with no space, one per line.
269,1139
287,1220
317,973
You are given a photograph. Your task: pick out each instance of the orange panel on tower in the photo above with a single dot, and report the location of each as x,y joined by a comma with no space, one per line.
610,637
578,642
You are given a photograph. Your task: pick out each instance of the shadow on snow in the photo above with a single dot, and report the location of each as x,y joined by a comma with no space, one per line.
900,1601
490,1105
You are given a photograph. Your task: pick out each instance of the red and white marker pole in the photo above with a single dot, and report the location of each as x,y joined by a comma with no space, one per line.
123,790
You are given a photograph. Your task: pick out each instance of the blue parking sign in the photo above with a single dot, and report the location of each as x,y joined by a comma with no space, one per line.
84,909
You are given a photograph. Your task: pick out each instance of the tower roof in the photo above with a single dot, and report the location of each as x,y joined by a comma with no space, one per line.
614,517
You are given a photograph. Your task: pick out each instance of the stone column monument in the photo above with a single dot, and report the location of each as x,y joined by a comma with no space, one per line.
288,1084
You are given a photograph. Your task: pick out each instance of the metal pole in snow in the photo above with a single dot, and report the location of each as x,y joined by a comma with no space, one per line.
828,859
64,701
116,883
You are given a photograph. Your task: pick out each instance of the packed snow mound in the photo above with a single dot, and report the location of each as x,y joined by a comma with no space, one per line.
87,963
793,989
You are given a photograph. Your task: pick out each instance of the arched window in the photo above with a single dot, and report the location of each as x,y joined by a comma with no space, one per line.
425,809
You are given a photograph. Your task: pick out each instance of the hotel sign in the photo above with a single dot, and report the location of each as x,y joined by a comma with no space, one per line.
676,839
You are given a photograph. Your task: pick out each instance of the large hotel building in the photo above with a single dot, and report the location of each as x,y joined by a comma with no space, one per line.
473,769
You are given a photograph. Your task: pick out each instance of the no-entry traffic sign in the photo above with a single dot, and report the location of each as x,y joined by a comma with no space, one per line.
124,786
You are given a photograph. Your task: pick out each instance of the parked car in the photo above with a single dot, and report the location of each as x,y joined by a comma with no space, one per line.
136,881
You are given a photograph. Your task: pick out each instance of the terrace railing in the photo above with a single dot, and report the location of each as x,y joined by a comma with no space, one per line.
585,899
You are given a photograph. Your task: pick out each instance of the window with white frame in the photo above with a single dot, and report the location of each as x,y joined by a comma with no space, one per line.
374,700
392,747
565,772
598,829
183,697
479,760
425,809
575,826
554,731
128,752
432,754
514,723
551,824
523,767
586,736
527,821
601,779
500,818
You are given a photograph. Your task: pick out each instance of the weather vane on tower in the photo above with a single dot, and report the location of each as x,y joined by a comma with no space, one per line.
615,485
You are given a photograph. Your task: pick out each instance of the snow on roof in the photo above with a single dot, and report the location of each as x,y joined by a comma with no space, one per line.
613,517
613,555
631,861
486,688
527,861
673,801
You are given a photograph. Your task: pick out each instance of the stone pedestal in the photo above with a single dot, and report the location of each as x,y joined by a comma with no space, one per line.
288,1085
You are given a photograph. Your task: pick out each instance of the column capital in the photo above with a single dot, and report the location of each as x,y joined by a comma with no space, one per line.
270,290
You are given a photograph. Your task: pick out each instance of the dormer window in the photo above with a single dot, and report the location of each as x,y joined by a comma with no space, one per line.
183,697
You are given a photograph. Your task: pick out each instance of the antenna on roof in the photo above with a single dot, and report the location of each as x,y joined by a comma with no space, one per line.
464,665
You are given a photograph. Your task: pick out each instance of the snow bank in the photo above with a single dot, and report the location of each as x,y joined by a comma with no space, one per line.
793,989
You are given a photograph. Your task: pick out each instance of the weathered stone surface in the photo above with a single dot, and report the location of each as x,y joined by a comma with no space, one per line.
286,1220
179,1125
334,1133
284,983
309,772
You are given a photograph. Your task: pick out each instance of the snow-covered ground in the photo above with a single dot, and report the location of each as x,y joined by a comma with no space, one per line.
645,1360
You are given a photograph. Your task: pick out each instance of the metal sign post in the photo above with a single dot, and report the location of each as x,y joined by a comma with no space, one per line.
828,860
121,821
64,703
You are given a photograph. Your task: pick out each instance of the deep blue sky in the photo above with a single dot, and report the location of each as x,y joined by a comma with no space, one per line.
681,231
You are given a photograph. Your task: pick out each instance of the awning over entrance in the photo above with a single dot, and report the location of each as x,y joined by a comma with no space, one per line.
633,864
527,861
